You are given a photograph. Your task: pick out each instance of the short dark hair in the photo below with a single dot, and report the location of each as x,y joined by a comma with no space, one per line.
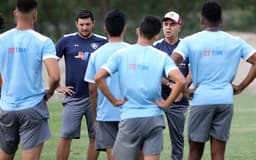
211,11
26,6
150,26
83,14
1,21
114,22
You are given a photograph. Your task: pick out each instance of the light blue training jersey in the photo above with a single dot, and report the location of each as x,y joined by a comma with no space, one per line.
105,110
21,59
140,70
214,58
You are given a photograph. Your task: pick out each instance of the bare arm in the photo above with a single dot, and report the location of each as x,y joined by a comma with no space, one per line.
189,78
165,81
66,90
52,69
93,98
101,84
249,78
177,58
177,87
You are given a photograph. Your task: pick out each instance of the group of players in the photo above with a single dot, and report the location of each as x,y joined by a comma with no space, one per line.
123,90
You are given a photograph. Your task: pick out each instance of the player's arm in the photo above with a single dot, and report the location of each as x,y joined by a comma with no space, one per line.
93,98
177,58
60,47
249,77
66,90
52,69
188,92
102,85
189,77
177,87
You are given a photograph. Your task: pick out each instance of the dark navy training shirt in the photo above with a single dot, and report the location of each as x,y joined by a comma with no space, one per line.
184,68
76,52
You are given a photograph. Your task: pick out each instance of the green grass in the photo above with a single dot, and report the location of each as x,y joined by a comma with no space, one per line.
241,145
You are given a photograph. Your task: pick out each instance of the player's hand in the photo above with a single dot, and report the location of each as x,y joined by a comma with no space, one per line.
180,96
236,89
48,95
170,85
188,93
161,103
119,102
66,90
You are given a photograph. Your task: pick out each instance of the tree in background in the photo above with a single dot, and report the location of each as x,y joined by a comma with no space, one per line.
56,16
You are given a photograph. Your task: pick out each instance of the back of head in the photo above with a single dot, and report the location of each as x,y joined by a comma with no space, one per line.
26,6
84,14
150,26
211,11
1,21
114,22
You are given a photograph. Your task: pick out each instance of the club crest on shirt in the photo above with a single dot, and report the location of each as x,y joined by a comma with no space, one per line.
82,55
94,45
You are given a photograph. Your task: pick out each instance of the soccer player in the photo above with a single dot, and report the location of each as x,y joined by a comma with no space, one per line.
214,56
23,109
176,113
140,68
108,116
76,49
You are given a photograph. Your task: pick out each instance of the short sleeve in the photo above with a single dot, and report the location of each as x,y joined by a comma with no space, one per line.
49,50
60,47
91,70
182,49
169,65
246,50
112,64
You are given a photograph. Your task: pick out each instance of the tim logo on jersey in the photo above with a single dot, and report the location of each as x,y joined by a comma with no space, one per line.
13,50
82,55
138,67
208,53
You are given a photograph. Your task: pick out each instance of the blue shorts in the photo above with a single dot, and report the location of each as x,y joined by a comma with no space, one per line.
73,111
28,126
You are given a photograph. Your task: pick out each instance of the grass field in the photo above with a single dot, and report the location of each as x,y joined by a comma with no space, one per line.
241,146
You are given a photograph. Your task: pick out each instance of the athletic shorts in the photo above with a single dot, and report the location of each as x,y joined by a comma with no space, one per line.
106,135
210,121
73,111
145,134
29,127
